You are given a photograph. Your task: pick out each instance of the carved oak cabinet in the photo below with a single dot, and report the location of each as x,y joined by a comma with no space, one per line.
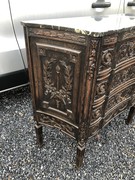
79,79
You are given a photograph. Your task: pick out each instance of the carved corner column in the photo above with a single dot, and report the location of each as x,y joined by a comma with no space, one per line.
90,72
104,79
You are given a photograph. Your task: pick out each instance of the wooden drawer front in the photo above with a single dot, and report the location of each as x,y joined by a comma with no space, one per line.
123,79
124,75
57,74
119,102
119,98
116,80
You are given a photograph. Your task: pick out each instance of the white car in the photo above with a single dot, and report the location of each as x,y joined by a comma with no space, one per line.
13,63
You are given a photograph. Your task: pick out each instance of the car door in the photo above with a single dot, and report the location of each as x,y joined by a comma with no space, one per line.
10,57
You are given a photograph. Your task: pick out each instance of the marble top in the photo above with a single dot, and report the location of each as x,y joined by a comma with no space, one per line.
86,24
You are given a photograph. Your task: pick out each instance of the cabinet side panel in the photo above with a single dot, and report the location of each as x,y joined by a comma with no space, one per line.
57,67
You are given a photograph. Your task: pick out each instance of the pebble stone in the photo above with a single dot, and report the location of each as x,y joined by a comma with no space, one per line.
110,157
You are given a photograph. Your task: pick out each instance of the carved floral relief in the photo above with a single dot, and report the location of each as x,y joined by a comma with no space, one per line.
92,58
58,80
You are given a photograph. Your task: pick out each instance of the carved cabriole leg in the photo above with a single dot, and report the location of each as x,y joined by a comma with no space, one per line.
130,115
39,135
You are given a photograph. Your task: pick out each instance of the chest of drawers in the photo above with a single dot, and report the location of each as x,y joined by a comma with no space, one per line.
79,80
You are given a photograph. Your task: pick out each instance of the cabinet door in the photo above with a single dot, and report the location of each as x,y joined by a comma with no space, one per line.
56,75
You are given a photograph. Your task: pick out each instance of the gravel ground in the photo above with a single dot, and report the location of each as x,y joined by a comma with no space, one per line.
111,158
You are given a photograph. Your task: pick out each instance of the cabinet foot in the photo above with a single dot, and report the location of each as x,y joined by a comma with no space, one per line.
79,156
130,115
39,136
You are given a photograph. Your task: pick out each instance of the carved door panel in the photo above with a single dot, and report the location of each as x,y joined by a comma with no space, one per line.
56,79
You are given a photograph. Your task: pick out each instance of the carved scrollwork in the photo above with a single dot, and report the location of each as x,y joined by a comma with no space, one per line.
107,58
96,113
101,88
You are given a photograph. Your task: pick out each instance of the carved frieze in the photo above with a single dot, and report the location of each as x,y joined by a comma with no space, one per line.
54,122
66,36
